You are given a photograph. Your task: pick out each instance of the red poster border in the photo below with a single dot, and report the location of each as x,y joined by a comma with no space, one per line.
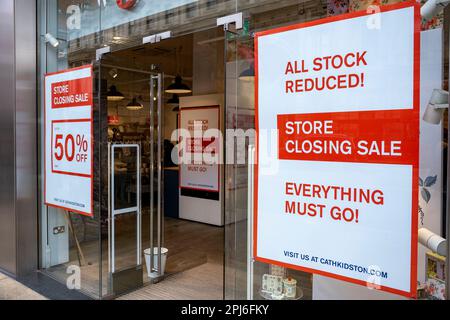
415,174
88,214
219,166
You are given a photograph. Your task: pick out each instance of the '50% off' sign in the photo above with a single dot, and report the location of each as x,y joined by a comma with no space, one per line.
72,148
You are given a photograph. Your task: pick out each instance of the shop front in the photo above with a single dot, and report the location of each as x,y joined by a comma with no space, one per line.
242,149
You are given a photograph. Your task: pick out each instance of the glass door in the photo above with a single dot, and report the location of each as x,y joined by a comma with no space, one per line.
240,119
155,252
132,152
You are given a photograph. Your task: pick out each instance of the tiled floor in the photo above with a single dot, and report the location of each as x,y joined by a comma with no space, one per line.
10,289
191,245
201,283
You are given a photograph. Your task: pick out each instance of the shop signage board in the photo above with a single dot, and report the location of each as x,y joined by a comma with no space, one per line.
199,169
339,196
68,140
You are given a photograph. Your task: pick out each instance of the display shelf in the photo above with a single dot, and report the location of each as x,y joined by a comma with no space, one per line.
270,296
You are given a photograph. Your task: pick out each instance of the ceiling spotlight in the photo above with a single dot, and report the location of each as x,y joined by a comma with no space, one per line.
436,107
114,73
178,87
135,105
49,38
114,95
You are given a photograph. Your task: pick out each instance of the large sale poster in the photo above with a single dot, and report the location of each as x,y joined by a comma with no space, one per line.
200,167
337,188
68,140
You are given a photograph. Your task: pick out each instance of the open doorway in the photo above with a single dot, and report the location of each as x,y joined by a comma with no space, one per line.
162,238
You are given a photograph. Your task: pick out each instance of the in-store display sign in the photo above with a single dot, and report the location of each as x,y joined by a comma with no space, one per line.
200,169
68,140
339,196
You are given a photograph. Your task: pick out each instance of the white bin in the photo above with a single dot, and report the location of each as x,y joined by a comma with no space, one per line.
147,254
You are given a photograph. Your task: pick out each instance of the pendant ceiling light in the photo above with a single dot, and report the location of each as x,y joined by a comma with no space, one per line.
248,74
135,105
178,87
114,95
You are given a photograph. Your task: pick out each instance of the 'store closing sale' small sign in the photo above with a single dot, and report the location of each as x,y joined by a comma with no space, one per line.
336,193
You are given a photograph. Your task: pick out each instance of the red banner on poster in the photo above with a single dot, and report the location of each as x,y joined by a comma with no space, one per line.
72,93
386,136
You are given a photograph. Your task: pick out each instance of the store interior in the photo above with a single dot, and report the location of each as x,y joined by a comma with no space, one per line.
195,247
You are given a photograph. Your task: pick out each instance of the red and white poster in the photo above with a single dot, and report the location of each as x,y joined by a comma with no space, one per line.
200,167
337,189
68,140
